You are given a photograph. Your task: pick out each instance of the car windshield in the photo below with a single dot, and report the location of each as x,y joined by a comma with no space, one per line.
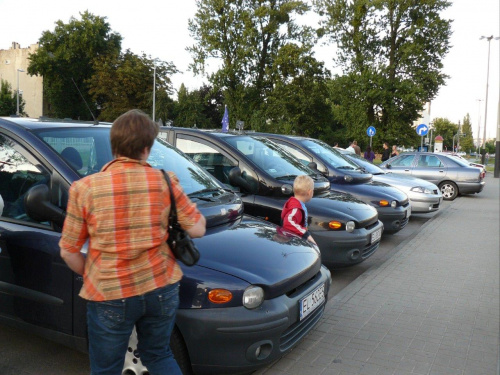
365,164
458,160
269,156
88,149
329,154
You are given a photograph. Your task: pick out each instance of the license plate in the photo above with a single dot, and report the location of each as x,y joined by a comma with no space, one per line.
408,212
309,303
376,235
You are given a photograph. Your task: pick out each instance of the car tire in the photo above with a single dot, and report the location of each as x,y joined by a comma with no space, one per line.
180,352
449,190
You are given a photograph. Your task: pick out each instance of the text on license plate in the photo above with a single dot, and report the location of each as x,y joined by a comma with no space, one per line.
376,235
310,302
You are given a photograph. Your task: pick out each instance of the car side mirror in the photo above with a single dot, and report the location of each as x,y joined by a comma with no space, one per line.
39,208
388,166
236,179
313,165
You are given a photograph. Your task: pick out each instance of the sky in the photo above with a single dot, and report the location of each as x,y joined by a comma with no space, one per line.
160,30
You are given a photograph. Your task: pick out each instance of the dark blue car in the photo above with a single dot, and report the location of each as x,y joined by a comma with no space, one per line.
277,284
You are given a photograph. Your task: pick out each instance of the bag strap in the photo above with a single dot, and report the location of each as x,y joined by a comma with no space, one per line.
173,211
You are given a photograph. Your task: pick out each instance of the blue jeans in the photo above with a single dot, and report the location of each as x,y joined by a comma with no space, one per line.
110,324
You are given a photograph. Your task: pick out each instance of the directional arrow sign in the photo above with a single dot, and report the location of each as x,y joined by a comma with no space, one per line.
371,131
422,129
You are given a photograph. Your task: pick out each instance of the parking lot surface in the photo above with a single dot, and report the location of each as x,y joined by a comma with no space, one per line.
429,307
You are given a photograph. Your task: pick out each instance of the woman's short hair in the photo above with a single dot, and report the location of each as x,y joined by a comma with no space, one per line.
131,133
302,184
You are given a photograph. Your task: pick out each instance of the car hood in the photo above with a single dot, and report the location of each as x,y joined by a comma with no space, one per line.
256,252
373,190
404,182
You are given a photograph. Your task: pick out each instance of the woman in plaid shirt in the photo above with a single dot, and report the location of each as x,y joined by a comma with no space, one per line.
130,276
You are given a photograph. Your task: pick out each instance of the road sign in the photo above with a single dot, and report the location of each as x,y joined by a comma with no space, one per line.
422,129
371,131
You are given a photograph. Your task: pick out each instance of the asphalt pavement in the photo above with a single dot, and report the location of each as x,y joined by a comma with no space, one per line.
432,308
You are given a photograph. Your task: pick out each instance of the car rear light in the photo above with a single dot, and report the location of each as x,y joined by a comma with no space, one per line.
220,296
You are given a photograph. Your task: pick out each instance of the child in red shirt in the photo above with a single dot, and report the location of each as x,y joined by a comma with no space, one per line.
294,213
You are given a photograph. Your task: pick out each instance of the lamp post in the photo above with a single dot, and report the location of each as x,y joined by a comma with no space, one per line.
17,111
488,38
154,92
478,125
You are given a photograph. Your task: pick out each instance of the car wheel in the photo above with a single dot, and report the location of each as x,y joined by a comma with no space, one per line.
134,366
449,190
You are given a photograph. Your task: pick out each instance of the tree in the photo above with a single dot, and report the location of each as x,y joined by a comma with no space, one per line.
126,81
250,39
65,59
391,53
8,100
446,129
466,138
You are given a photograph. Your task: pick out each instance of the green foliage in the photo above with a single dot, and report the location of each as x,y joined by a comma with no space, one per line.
125,81
8,100
264,58
446,129
391,53
65,59
467,139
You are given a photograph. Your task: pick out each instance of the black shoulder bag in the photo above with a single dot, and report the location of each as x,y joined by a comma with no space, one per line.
178,240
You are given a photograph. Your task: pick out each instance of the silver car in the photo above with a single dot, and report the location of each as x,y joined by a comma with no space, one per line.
424,195
450,174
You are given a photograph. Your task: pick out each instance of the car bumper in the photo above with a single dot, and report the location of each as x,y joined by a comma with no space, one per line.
229,340
423,203
394,219
342,248
470,187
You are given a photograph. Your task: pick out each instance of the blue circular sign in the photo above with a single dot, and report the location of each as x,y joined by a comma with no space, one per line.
371,131
422,129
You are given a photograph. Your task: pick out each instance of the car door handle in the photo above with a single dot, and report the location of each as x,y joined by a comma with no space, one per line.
407,170
441,171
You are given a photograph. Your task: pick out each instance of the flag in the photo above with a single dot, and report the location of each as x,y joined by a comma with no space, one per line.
225,121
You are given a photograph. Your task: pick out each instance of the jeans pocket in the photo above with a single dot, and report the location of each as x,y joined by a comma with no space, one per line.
168,299
111,313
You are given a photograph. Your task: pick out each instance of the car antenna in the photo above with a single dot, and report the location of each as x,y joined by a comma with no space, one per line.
95,121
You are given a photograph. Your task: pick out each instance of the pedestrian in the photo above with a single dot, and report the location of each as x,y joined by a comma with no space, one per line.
356,148
386,154
351,148
487,158
130,276
336,145
369,154
294,213
394,151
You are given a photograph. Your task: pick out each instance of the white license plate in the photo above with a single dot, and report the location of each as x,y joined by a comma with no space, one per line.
408,212
376,235
309,303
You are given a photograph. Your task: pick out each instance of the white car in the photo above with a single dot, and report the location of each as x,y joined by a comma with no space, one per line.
424,195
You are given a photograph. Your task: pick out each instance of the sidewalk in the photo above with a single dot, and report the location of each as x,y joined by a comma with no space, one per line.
432,308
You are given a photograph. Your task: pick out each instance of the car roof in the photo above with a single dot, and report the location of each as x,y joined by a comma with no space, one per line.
44,123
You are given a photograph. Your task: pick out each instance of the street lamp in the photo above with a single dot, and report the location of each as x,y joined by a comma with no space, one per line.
154,92
488,38
479,126
17,111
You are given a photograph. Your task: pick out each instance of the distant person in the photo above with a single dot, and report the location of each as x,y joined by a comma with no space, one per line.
386,154
294,213
336,145
356,148
369,154
351,148
394,151
486,158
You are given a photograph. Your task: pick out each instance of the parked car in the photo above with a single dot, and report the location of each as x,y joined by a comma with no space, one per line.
451,175
424,195
472,164
276,287
346,229
392,204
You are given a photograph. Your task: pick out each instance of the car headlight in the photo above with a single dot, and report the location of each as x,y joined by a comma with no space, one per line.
253,297
350,226
220,296
420,189
394,204
348,178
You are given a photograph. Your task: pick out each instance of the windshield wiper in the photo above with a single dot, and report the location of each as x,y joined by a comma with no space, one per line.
346,167
285,177
200,194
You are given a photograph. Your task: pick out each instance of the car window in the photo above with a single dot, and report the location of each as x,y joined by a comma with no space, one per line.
429,161
402,161
328,153
19,171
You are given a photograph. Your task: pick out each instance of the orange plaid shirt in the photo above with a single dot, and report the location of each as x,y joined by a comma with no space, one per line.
124,211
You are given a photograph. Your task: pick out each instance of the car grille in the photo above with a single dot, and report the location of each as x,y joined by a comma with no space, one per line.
298,330
369,250
403,223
